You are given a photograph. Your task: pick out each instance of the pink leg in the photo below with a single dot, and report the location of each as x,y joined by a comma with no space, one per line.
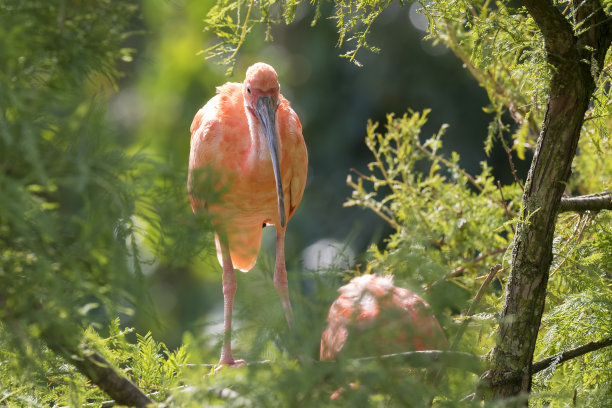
229,290
280,276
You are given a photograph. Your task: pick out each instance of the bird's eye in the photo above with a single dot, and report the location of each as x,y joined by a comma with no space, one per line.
249,90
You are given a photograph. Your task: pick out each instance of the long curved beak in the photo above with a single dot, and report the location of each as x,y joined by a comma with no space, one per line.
266,112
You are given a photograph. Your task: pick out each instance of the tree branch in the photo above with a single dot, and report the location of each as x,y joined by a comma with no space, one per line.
558,33
90,363
429,358
591,202
570,354
422,359
100,372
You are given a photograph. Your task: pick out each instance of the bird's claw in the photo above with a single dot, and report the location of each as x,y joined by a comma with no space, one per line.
232,364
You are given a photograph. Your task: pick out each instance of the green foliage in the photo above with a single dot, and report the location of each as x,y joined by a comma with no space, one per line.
354,21
154,368
231,21
445,220
69,255
82,222
449,227
149,364
65,186
579,304
502,48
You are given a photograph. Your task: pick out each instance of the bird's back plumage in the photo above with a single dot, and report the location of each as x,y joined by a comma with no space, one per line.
387,318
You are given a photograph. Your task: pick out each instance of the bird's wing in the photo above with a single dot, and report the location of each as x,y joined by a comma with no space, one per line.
299,163
196,122
205,128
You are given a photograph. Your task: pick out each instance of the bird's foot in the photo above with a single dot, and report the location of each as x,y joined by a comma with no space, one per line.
232,364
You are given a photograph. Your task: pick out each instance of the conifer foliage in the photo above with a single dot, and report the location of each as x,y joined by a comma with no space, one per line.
518,274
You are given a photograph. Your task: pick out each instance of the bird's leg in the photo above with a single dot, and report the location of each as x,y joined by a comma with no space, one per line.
229,290
280,276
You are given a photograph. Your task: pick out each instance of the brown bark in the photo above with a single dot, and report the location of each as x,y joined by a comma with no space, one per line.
576,61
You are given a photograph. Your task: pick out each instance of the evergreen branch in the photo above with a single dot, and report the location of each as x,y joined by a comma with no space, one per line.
377,209
243,31
91,364
570,354
575,238
590,202
486,77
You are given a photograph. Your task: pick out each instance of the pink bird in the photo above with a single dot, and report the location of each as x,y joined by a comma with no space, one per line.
396,320
247,142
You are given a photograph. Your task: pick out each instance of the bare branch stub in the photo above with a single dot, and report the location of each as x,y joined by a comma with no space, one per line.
590,202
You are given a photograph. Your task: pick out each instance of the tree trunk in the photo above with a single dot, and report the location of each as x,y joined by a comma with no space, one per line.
576,62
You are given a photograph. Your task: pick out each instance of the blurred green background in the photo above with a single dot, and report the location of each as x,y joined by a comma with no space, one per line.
169,80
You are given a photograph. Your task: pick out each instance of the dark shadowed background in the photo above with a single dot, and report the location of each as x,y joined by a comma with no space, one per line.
169,80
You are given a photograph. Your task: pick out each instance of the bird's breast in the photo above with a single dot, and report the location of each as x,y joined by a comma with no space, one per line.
229,141
249,194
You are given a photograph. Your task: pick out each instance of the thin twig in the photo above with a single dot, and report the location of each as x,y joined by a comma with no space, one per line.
513,169
211,366
377,211
508,214
492,272
244,29
428,358
459,270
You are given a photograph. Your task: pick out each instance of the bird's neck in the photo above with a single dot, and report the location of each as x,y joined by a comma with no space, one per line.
259,145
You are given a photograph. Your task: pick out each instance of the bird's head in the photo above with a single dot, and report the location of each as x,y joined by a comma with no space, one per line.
261,82
261,93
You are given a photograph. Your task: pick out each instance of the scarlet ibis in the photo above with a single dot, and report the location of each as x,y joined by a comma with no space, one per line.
380,318
250,140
